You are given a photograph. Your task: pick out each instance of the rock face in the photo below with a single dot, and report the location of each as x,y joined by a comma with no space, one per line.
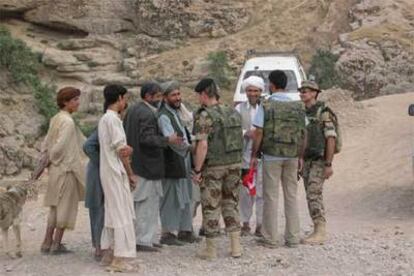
92,43
89,16
157,18
19,128
182,18
377,57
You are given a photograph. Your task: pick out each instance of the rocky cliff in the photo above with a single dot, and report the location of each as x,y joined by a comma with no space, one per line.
377,56
90,43
19,127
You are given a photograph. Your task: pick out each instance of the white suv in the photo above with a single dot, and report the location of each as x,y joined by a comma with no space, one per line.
262,63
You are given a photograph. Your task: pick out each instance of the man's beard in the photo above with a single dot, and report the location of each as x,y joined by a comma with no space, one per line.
156,104
175,105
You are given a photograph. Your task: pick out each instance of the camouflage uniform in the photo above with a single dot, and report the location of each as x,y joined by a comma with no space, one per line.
220,187
313,171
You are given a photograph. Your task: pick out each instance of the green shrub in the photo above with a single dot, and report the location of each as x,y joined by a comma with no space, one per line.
23,66
323,68
87,128
219,69
16,57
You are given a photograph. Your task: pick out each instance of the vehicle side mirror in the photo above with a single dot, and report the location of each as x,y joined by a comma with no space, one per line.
411,110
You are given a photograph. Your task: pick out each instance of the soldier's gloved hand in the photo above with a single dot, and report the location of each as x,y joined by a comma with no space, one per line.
328,172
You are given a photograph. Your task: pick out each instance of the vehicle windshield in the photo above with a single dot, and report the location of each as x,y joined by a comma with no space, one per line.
292,84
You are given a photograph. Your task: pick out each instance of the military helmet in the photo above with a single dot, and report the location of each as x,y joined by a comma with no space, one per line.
309,84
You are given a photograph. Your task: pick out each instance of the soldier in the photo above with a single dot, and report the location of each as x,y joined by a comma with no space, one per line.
319,152
280,131
217,167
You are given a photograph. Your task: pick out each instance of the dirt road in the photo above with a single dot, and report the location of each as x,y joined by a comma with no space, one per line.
370,206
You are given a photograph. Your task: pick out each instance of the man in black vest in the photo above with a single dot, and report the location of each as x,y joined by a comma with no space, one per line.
175,208
143,134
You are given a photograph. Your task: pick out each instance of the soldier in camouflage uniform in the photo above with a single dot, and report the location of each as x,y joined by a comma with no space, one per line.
319,152
217,167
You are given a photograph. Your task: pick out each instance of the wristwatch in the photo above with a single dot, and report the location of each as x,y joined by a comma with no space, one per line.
328,164
197,172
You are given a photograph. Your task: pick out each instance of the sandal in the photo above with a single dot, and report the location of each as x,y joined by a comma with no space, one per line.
58,249
107,257
44,249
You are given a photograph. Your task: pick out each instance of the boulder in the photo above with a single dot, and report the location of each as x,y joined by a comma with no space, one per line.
377,57
54,58
88,17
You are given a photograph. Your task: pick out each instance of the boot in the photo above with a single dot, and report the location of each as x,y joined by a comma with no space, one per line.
236,249
209,252
318,236
245,229
258,232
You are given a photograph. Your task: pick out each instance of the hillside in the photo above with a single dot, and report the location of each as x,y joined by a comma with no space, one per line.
89,44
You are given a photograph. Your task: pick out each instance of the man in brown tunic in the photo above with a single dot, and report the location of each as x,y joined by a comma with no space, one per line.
65,189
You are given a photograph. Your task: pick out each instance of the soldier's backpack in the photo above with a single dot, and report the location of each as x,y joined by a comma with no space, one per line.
225,140
316,116
284,127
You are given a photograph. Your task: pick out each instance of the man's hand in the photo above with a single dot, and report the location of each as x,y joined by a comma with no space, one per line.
300,165
197,177
249,134
133,181
328,172
175,139
125,151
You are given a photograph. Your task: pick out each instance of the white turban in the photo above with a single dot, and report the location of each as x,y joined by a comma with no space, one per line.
255,81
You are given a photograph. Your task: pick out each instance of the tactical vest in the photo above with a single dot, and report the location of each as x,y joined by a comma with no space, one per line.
315,148
283,128
225,140
174,163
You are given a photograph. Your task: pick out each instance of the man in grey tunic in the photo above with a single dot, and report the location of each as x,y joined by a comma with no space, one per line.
175,208
94,198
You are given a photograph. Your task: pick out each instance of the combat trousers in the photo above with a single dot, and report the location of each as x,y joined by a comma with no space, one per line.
313,179
284,172
219,192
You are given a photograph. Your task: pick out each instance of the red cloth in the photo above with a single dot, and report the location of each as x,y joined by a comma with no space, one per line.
248,181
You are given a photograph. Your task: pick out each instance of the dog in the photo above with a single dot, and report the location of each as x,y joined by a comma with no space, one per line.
12,200
11,205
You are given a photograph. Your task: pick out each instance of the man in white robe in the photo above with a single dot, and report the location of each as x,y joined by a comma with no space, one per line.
118,234
253,87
